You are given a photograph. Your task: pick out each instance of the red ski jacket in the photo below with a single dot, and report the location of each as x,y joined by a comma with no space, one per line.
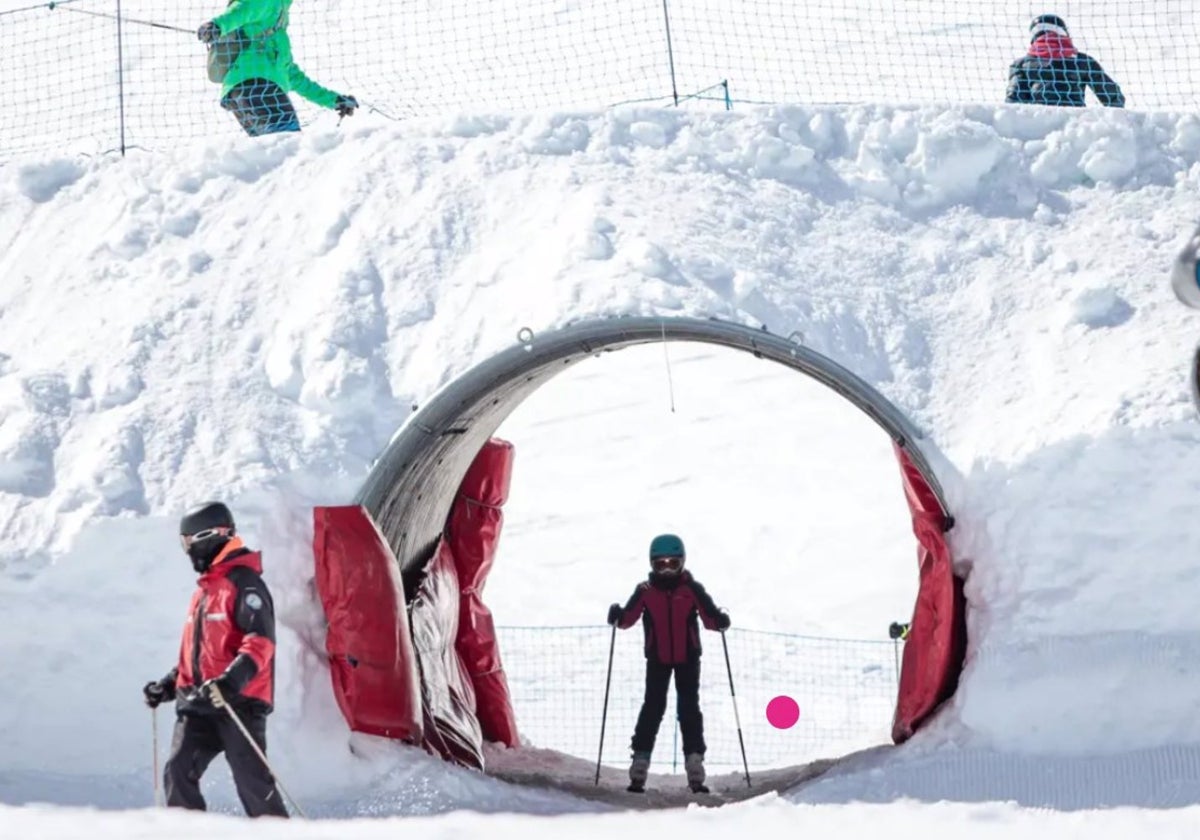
668,607
230,629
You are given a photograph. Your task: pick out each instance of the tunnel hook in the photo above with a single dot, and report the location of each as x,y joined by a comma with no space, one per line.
525,336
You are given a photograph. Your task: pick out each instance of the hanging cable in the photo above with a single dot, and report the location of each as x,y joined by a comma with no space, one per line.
667,357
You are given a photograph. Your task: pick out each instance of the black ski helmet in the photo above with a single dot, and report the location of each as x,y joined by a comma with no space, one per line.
1042,24
213,522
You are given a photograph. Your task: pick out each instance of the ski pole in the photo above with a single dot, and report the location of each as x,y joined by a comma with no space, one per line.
122,18
736,716
219,700
604,717
154,742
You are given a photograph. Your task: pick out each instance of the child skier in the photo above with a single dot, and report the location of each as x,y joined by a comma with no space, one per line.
668,603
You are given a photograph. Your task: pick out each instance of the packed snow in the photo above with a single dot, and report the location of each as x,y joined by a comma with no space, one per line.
254,320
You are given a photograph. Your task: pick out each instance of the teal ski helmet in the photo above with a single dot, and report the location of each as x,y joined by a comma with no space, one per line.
667,554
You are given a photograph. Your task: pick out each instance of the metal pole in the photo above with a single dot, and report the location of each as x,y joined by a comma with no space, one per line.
736,716
154,741
675,746
121,76
604,717
220,702
670,53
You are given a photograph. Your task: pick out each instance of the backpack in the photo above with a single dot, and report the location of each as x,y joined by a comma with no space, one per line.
224,51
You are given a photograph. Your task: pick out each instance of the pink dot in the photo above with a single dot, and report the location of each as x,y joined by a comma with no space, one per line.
783,712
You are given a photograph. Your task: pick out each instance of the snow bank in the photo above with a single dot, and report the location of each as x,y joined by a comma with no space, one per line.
766,817
254,320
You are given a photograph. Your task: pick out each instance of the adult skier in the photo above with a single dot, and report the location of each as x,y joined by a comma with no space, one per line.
669,602
250,54
1053,72
228,644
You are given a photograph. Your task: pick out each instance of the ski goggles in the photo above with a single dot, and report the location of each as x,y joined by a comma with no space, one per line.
189,539
672,563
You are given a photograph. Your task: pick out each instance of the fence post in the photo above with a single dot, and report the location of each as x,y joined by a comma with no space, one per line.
670,53
121,76
898,632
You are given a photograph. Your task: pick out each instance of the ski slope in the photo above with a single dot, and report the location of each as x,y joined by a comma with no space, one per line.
255,320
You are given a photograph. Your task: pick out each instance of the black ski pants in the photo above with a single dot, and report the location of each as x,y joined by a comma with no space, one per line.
261,107
687,706
198,739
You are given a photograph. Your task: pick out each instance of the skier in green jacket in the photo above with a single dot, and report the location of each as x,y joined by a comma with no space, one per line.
256,69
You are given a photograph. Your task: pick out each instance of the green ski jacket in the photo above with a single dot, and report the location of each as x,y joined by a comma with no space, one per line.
271,57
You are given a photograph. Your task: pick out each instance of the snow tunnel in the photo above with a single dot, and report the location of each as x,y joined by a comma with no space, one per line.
412,650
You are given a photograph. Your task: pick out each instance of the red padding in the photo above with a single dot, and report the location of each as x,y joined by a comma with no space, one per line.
933,654
451,729
371,656
473,531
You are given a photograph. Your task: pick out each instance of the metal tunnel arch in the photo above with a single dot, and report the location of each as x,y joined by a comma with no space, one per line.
412,486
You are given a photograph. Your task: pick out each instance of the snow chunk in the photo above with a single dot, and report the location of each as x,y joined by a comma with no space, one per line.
183,225
780,159
40,182
471,125
953,157
120,386
1100,307
26,455
30,409
104,480
558,135
198,262
1187,136
1112,157
649,134
249,163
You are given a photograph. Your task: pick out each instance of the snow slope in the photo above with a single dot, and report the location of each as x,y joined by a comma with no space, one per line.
254,320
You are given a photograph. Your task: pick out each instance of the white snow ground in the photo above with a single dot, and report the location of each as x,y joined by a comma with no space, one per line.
254,320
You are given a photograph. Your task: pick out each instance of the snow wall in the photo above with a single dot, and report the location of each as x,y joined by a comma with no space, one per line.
419,481
999,273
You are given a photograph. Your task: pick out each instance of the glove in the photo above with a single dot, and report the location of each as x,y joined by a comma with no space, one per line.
208,32
345,105
222,684
722,620
614,614
161,691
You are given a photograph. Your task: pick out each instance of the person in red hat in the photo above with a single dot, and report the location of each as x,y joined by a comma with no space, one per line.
1053,72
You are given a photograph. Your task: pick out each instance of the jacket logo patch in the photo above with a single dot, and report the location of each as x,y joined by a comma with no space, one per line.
215,616
253,601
